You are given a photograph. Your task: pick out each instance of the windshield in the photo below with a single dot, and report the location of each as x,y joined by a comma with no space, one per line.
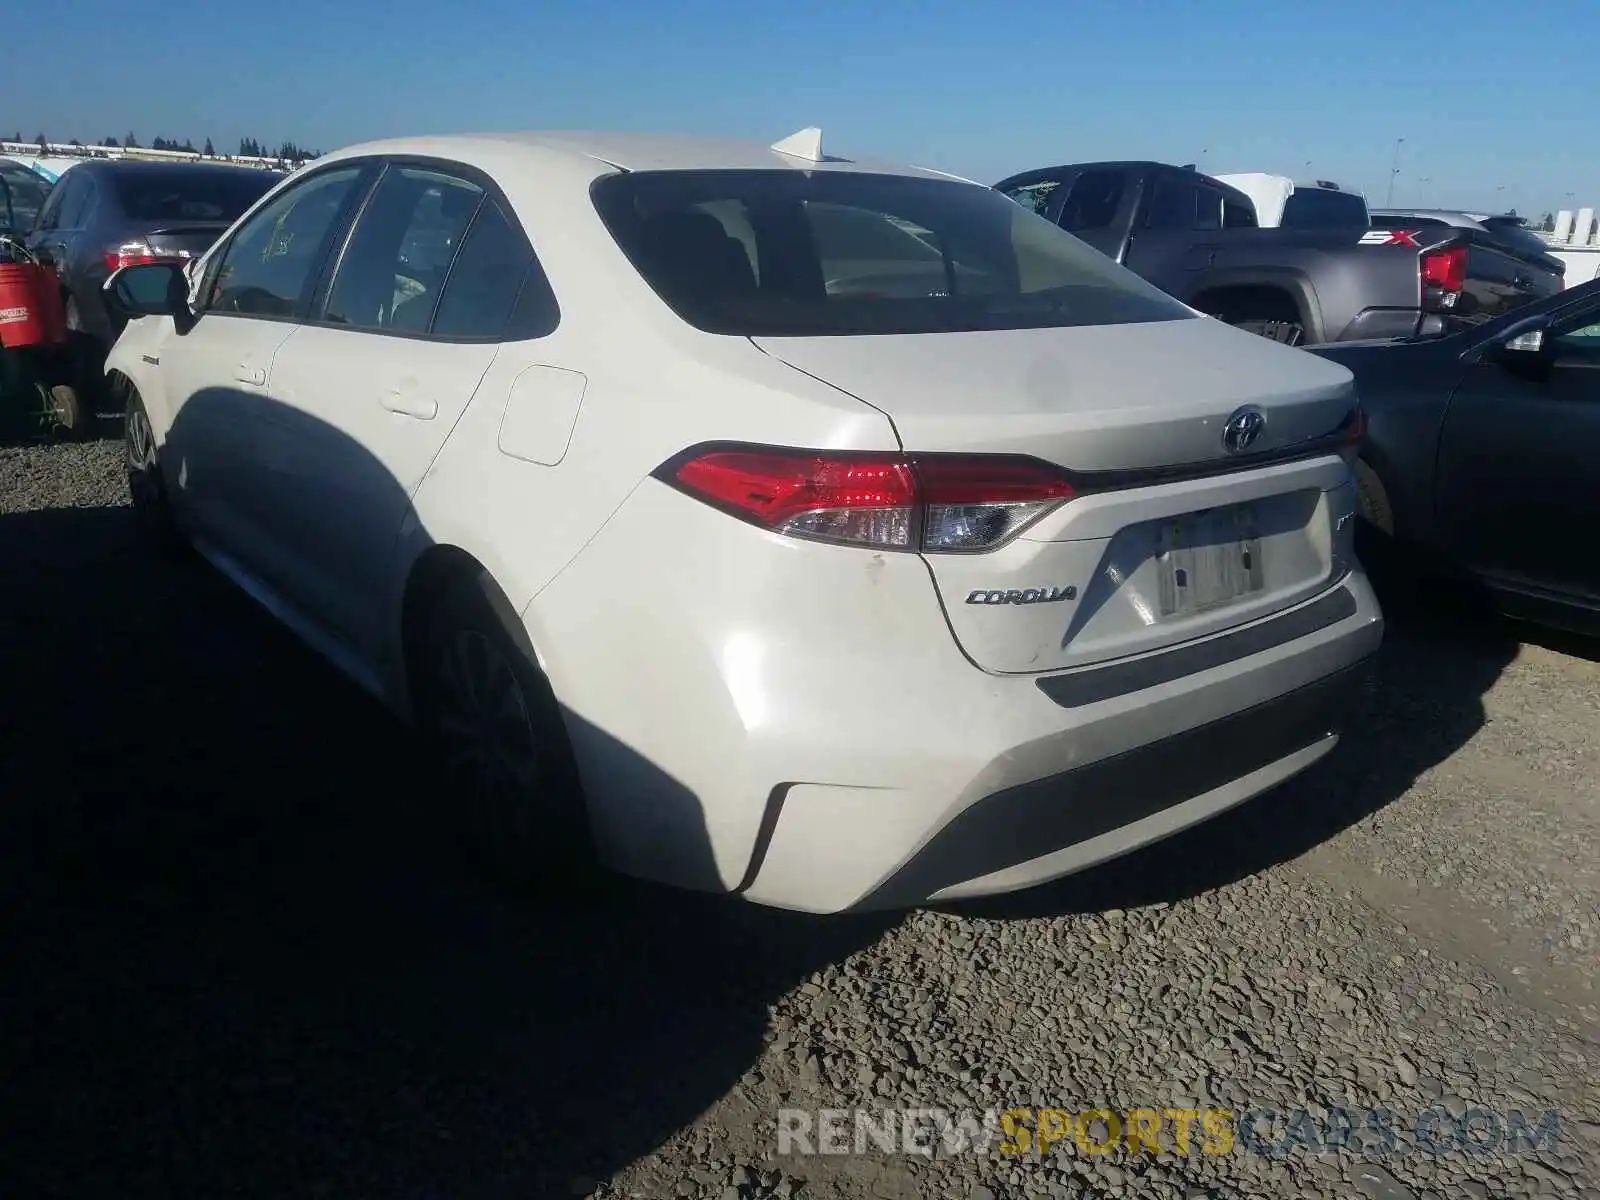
1323,208
790,253
22,193
190,193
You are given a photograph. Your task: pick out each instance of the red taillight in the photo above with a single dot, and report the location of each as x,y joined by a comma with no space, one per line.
1445,269
134,254
936,502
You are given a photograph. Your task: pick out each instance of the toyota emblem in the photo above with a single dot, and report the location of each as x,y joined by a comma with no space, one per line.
1242,429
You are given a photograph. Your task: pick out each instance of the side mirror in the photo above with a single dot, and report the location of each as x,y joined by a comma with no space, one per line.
150,290
1527,352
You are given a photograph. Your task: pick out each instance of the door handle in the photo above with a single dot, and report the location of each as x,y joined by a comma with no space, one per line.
408,404
245,373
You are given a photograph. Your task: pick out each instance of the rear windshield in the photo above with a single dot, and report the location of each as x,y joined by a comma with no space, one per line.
1323,208
791,253
190,193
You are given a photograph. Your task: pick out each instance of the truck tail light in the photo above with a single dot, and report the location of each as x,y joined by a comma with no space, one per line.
937,503
1445,269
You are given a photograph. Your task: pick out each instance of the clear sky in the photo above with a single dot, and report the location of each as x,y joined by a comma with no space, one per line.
1499,104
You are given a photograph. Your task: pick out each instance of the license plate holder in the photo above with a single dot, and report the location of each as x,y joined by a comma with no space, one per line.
1209,559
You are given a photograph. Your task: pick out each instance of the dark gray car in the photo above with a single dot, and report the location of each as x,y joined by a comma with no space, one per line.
104,214
1480,452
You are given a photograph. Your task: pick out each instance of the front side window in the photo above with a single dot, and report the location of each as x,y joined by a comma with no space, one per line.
1578,337
1035,197
50,214
395,262
74,191
790,253
1093,201
266,269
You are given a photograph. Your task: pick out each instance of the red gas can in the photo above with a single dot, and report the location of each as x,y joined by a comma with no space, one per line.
30,306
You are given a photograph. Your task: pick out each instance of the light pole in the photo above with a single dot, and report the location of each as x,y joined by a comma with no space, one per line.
1394,171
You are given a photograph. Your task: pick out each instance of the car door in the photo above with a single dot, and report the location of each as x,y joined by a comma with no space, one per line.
254,287
1096,207
1516,499
411,321
53,236
1179,219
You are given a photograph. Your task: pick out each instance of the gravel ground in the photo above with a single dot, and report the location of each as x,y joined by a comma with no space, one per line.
243,965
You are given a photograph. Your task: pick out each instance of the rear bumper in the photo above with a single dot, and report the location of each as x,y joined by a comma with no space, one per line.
1089,782
795,723
1041,830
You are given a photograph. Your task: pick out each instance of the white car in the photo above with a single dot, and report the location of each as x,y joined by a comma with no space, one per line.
828,532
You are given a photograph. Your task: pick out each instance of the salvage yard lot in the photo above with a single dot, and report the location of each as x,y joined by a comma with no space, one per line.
245,965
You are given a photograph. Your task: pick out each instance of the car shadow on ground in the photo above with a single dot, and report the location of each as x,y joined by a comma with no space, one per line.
242,959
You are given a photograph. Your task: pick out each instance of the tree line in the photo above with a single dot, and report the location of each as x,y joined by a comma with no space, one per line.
248,147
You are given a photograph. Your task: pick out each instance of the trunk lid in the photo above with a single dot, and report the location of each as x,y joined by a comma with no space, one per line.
1096,398
1139,561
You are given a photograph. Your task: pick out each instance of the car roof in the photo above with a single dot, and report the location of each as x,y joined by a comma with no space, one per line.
135,167
626,152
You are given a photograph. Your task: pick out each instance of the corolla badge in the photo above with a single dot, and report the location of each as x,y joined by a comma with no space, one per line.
1243,428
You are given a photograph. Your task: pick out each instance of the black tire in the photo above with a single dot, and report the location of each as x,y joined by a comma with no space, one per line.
1289,333
523,822
147,484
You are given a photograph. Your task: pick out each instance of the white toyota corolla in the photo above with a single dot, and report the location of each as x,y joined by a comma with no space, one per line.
828,532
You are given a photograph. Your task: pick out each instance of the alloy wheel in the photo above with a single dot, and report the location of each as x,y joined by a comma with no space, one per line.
486,733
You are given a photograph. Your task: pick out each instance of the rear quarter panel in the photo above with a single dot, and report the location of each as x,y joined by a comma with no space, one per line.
1405,390
1345,277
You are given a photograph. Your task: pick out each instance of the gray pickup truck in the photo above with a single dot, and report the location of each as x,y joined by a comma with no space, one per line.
1198,239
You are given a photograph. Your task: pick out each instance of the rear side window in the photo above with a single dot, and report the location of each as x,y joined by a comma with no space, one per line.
790,253
487,277
1238,214
1093,201
1323,208
1178,204
183,193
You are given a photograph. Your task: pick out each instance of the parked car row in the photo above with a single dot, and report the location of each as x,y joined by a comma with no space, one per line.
1316,269
106,214
831,533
